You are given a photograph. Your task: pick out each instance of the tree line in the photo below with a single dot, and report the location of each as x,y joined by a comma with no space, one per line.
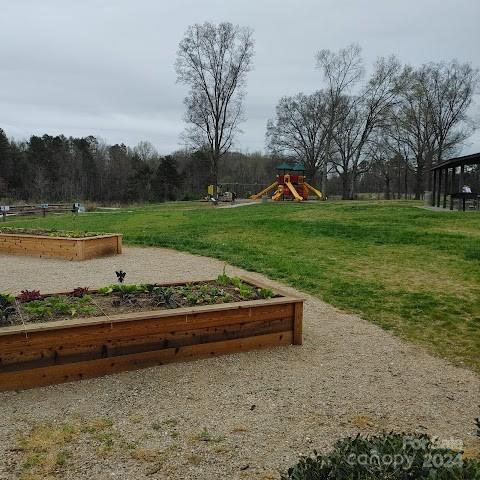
58,168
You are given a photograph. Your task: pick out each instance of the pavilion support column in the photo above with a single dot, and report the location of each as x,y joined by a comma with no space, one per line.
439,187
445,188
434,187
452,187
461,201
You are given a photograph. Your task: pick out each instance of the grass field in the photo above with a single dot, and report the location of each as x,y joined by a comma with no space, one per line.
412,271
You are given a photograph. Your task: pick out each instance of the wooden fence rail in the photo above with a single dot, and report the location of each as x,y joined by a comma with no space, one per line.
41,209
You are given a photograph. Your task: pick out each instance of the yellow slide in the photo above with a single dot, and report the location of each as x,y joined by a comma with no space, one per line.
298,198
278,194
264,191
318,193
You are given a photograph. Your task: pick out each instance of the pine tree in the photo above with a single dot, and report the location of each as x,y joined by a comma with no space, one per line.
5,163
139,183
167,180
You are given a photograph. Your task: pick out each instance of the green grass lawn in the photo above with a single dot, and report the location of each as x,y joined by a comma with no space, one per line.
412,271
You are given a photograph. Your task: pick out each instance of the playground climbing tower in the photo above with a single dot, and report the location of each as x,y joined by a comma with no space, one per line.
290,185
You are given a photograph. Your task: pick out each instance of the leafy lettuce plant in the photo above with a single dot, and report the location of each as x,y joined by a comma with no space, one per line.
7,308
59,305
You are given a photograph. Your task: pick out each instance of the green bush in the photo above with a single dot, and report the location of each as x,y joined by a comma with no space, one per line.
388,456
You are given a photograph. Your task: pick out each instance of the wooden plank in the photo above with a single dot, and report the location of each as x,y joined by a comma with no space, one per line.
259,284
61,353
178,323
80,250
80,370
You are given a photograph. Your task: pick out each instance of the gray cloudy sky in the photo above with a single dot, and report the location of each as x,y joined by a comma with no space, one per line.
106,67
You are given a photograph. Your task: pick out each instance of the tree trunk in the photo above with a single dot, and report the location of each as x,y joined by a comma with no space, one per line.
419,180
214,164
427,167
310,173
351,190
324,177
388,195
345,186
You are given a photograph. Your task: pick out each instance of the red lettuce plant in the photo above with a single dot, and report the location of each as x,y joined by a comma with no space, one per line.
79,292
29,295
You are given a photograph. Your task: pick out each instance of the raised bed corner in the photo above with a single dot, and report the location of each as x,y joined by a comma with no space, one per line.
61,351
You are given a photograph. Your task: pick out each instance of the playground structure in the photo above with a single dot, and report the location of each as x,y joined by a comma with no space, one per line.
290,185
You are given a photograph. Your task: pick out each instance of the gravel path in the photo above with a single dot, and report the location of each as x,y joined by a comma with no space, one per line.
242,416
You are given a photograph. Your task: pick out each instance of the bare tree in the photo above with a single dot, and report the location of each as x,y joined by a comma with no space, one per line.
145,151
448,89
213,60
341,71
359,117
412,130
431,119
386,160
299,129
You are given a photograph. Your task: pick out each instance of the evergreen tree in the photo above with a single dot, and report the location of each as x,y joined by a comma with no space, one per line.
5,157
167,180
139,183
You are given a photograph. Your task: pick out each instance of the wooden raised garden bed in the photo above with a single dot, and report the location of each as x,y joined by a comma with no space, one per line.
49,352
58,245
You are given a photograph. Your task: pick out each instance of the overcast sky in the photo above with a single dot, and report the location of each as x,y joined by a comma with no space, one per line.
106,67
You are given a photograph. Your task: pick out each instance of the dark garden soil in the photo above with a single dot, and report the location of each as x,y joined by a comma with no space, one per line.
48,232
121,298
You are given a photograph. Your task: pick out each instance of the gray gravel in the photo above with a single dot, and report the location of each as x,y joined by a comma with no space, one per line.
260,409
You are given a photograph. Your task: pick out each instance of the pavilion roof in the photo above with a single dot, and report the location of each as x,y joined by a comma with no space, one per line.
298,167
473,159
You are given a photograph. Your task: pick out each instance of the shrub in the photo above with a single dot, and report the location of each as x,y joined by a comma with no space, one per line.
387,456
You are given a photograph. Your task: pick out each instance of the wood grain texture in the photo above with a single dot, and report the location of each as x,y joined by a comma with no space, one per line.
60,247
17,380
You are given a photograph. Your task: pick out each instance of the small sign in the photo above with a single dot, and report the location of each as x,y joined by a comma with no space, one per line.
4,208
44,205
